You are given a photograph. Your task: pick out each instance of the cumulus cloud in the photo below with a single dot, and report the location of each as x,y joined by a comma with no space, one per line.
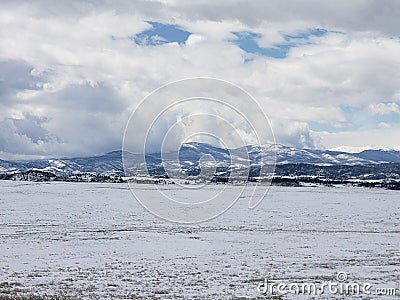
71,72
384,108
297,134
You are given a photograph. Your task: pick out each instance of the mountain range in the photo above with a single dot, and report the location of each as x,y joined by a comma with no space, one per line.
191,153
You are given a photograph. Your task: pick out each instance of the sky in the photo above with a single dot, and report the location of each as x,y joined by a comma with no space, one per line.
326,74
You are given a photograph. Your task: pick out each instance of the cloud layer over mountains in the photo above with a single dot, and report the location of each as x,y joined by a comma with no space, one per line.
71,72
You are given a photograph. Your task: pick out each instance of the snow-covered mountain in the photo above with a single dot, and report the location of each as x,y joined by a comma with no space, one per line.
98,164
287,155
190,154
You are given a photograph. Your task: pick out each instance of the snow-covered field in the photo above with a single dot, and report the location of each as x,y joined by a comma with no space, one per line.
94,241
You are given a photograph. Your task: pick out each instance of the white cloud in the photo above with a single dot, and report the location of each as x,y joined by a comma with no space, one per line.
373,138
73,65
296,134
384,125
384,108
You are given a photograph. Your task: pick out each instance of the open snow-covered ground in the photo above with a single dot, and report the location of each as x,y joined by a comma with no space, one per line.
94,241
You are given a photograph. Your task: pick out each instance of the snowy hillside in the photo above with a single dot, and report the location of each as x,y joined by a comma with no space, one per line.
191,153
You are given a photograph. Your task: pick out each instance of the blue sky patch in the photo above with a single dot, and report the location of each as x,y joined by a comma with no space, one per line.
247,41
390,118
362,119
161,34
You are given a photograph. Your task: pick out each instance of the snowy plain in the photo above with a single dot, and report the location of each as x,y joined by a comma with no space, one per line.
95,241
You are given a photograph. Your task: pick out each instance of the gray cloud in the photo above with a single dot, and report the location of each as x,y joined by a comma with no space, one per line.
80,119
31,127
16,75
356,15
